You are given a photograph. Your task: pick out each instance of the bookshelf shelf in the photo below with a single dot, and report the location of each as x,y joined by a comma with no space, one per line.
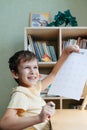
46,64
74,32
54,36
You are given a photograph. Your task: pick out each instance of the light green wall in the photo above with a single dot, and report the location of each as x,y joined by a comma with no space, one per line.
14,16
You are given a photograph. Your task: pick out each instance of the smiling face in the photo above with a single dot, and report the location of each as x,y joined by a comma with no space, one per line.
28,73
24,68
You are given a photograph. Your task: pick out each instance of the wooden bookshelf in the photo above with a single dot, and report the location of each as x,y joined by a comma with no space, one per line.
55,36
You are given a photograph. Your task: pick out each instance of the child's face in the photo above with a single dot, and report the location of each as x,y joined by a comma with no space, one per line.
28,73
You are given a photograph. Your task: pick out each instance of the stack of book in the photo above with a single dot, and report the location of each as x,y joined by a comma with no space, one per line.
43,51
81,42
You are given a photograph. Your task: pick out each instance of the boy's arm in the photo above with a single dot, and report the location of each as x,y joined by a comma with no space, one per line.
11,120
49,79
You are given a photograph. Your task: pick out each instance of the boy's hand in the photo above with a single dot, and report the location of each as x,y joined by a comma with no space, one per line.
47,111
70,49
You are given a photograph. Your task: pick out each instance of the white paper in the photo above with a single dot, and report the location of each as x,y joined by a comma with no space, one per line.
70,80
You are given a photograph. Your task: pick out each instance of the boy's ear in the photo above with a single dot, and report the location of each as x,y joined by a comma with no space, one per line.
14,74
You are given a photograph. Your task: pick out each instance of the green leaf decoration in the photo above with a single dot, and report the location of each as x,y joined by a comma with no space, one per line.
65,19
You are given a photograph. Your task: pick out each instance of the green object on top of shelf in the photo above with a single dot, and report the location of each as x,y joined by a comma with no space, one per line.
65,19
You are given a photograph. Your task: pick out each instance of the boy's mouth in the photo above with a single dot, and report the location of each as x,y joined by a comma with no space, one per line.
32,77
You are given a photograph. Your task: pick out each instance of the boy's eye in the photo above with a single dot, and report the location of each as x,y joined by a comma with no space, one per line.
35,67
26,67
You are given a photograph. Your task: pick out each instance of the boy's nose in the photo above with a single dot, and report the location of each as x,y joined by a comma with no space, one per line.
31,71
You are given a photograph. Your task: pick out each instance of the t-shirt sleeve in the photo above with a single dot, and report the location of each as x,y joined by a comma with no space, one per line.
19,101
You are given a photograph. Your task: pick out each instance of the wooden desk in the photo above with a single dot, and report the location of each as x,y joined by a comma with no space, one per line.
69,119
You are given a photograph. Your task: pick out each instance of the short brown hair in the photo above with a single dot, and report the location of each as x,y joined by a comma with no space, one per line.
19,56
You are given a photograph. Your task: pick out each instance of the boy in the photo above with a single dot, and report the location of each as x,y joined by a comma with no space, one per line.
27,110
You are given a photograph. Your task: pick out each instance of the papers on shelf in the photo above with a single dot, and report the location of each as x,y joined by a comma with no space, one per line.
70,80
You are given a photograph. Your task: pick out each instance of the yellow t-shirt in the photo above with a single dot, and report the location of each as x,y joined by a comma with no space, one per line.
31,102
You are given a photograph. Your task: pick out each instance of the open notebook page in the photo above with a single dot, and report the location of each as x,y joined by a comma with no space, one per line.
70,80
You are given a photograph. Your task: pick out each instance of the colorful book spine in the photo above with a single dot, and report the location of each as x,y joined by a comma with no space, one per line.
30,44
53,54
37,52
39,44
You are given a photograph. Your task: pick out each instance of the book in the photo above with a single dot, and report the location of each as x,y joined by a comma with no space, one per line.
39,44
45,48
44,52
53,53
82,42
72,42
68,42
37,52
49,52
42,49
30,44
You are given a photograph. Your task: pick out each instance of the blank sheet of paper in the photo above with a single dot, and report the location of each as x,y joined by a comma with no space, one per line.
70,80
